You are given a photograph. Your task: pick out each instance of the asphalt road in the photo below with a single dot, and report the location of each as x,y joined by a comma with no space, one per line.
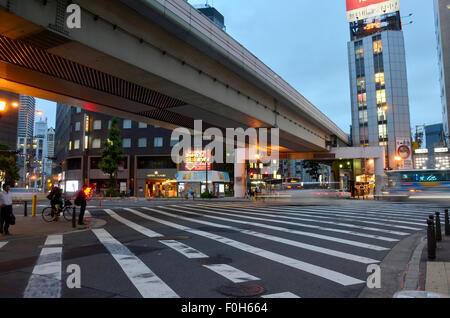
196,249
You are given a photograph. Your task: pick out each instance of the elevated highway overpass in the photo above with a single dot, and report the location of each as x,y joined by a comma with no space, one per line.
155,61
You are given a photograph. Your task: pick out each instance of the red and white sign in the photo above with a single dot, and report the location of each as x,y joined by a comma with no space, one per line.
404,151
364,9
197,160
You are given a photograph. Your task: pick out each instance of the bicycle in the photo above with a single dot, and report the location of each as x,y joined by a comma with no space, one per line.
49,214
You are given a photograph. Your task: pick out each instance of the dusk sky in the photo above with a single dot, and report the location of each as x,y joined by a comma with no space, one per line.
305,42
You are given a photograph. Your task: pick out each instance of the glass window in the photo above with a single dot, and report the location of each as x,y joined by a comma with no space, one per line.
381,97
78,110
126,143
76,144
382,113
377,47
97,124
361,84
109,124
77,126
142,125
382,131
126,124
363,119
173,142
142,142
96,143
362,100
158,142
379,80
359,50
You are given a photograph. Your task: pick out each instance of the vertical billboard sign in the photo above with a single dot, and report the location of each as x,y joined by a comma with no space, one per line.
404,151
365,9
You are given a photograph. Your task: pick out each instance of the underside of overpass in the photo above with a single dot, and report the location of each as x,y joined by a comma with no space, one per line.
150,70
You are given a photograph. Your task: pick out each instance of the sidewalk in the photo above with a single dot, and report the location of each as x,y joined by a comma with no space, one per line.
433,276
30,226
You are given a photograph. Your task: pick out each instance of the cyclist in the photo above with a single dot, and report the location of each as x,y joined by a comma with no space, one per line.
55,198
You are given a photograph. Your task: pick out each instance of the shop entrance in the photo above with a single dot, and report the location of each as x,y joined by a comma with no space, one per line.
161,188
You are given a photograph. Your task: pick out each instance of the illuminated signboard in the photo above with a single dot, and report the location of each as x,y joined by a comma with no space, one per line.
197,160
364,9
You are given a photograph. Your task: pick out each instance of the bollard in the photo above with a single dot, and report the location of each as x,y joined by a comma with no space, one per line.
438,228
25,208
430,239
74,224
433,230
33,205
447,223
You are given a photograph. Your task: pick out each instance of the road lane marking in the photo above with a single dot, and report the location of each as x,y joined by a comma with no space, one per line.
281,295
328,274
367,228
146,282
365,213
183,249
231,273
54,240
45,280
348,216
3,244
179,247
282,229
373,236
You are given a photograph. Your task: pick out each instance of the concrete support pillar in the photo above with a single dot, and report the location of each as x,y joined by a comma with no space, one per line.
240,173
379,175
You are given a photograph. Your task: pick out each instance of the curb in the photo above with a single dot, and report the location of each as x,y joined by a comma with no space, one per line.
396,267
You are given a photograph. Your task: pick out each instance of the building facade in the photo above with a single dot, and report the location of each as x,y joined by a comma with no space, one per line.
379,87
9,119
25,138
214,15
80,135
442,20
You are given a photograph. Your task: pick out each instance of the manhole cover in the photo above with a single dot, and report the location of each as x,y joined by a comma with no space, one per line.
215,260
242,290
173,238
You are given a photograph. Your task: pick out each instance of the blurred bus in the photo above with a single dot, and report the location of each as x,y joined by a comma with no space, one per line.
416,182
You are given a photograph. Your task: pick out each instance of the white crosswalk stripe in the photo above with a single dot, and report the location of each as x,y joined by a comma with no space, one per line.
357,215
45,281
330,215
354,233
233,274
327,245
288,261
146,282
179,247
374,229
323,237
281,295
314,248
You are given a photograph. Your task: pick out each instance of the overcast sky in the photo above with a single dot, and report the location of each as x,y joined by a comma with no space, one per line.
305,42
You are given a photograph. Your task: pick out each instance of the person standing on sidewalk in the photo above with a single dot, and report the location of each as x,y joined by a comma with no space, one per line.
81,201
6,213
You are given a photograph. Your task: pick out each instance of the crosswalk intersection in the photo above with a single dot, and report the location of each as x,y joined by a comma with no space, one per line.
192,250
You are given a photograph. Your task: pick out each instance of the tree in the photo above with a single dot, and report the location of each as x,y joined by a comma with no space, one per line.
112,154
9,171
312,168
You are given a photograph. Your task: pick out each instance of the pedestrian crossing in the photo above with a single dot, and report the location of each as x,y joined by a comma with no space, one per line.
293,251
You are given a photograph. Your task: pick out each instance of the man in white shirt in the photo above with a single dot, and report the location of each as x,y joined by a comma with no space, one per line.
6,202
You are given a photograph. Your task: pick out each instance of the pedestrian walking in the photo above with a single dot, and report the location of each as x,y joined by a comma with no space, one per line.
81,201
6,214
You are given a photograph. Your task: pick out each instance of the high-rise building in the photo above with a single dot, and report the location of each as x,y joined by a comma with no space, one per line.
378,80
25,134
442,19
40,160
214,15
434,136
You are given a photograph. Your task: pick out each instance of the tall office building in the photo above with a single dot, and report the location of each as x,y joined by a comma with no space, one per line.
442,19
214,15
378,80
25,134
